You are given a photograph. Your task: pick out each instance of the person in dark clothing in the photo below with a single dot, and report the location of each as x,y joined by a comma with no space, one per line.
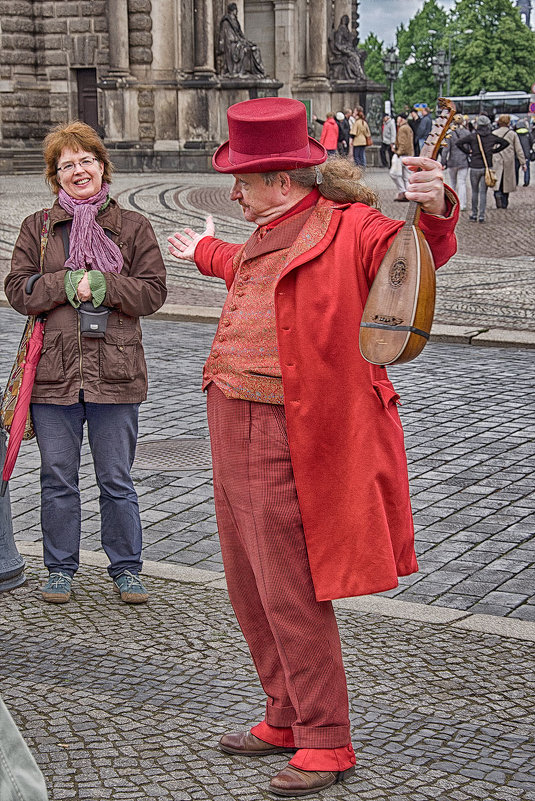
526,141
424,127
470,145
343,133
413,121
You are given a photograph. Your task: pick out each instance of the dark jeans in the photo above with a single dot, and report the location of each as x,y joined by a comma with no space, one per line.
359,155
479,193
520,172
501,198
386,155
112,432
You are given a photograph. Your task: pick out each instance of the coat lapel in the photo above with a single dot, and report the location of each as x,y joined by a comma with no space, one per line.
316,234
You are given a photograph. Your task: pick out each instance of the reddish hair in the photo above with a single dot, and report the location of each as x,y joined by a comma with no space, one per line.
76,136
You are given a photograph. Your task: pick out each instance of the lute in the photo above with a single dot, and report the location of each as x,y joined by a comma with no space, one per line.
398,315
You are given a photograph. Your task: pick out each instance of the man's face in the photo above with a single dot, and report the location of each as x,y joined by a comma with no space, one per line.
260,202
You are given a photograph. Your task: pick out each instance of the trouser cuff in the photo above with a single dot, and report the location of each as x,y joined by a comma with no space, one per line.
321,736
274,735
280,716
335,759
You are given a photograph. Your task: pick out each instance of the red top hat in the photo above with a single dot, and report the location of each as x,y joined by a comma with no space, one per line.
266,135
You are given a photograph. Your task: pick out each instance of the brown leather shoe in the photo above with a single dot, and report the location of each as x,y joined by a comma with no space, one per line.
246,744
296,782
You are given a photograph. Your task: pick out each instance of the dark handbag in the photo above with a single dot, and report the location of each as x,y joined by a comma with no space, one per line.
93,321
369,141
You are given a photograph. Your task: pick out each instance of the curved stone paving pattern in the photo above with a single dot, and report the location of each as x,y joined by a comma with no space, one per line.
126,703
468,413
490,283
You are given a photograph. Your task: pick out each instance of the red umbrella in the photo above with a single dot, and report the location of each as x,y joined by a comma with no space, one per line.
33,352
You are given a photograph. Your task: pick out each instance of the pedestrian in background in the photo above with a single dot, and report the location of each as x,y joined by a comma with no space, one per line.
310,475
97,253
413,120
361,135
455,161
329,134
526,140
504,163
403,146
424,127
343,135
388,140
472,144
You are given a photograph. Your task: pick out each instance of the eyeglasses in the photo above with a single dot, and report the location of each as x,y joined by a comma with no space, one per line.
84,163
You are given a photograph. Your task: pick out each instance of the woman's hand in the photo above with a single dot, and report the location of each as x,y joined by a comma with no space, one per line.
426,184
182,245
84,290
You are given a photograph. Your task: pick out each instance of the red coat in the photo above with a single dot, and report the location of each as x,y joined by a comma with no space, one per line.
329,134
344,431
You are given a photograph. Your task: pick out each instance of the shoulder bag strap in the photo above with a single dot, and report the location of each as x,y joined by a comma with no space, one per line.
482,151
44,242
44,239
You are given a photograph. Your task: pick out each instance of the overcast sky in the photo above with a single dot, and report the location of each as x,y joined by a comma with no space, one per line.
382,17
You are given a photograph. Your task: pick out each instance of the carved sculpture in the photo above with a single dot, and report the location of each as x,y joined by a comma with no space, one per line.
239,57
345,58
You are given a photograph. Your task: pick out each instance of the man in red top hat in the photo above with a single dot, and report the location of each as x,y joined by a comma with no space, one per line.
310,473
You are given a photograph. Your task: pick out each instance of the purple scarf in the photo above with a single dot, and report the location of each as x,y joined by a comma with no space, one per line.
89,245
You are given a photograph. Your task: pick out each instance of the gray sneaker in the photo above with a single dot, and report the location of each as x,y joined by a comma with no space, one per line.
130,588
57,589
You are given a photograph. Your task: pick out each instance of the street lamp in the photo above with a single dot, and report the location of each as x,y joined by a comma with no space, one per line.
392,65
441,69
448,63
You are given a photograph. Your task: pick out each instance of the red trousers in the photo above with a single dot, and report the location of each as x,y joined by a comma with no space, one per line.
293,638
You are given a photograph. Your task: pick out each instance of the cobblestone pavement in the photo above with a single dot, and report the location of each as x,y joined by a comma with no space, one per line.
468,414
489,282
128,703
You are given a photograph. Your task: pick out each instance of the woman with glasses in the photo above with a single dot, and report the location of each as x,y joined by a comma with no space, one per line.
93,268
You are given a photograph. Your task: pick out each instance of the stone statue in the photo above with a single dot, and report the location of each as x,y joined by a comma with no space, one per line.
345,58
239,57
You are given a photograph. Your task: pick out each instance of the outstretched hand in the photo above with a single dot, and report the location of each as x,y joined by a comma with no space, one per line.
426,184
182,245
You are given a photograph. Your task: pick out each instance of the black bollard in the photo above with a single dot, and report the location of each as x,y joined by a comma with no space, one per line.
11,562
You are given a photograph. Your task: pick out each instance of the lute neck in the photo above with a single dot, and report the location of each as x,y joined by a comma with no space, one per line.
413,213
414,209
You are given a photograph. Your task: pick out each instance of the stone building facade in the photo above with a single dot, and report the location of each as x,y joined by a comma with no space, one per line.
146,73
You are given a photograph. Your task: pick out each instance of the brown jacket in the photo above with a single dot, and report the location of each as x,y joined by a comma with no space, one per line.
404,140
109,370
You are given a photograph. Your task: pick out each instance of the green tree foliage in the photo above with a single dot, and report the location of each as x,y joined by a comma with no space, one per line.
374,60
417,45
499,54
488,44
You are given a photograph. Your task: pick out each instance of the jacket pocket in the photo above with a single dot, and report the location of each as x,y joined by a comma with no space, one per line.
386,393
118,356
50,369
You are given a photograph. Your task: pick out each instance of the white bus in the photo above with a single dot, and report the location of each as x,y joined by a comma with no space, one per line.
494,103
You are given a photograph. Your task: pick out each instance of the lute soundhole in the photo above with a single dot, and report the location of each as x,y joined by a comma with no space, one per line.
398,272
